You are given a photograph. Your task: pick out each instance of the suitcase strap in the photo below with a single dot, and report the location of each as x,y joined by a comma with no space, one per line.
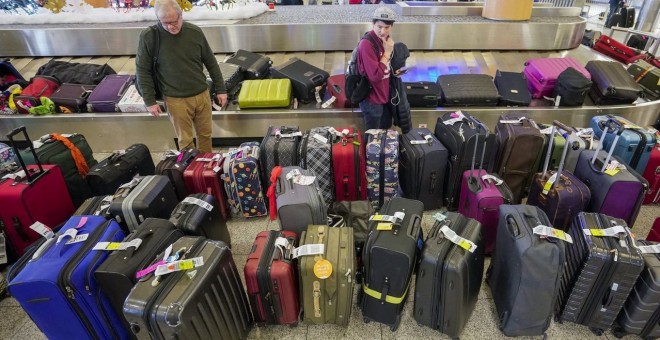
395,300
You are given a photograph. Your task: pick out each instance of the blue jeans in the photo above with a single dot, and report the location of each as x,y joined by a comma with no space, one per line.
608,22
375,116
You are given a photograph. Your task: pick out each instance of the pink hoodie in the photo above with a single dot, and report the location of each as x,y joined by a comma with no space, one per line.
378,73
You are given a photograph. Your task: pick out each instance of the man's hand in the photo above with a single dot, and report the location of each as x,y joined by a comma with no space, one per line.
388,44
154,110
222,99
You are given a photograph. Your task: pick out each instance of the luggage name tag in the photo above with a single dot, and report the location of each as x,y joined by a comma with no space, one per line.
548,185
320,138
614,167
323,269
198,202
293,173
111,246
458,240
42,230
654,249
497,181
428,139
309,249
71,232
612,231
455,117
317,94
513,121
288,135
3,248
304,180
329,102
552,232
439,217
77,239
179,266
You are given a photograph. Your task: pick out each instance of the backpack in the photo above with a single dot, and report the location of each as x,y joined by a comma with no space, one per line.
357,86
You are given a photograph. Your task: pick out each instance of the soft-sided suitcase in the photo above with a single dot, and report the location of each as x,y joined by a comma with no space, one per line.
652,175
512,87
307,80
327,278
148,196
173,164
449,275
600,271
23,199
105,177
57,287
315,154
468,90
526,263
206,301
635,143
108,93
422,165
272,279
10,75
422,93
256,65
203,176
542,74
571,87
72,98
337,89
654,233
265,93
348,162
556,148
197,215
648,77
279,147
243,182
382,166
299,204
97,205
612,83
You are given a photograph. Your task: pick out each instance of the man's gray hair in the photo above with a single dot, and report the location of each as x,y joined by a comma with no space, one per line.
162,7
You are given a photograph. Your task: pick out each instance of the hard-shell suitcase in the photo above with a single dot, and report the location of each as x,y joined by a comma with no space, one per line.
512,87
197,215
382,166
148,196
526,263
600,271
57,287
305,79
72,98
575,144
389,257
279,147
272,279
422,93
105,177
337,89
422,165
233,75
652,175
468,90
173,164
265,93
316,155
615,49
648,77
612,83
299,205
571,87
449,275
327,295
349,168
108,93
203,176
97,205
204,302
243,183
256,65
634,146
627,17
542,74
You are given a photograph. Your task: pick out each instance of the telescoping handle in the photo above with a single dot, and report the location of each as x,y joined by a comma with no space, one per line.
548,154
31,177
563,126
611,124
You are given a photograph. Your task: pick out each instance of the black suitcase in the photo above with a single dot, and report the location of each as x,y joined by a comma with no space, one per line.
615,20
423,161
524,265
637,41
389,258
305,79
599,274
422,94
612,83
468,90
648,77
105,177
197,215
97,205
172,165
572,87
72,98
256,66
512,87
149,196
119,273
232,75
589,38
627,19
449,275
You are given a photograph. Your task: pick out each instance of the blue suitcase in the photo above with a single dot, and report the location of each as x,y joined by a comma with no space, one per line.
57,287
634,146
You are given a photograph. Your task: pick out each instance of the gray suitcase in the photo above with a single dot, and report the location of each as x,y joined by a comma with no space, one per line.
279,147
299,205
148,196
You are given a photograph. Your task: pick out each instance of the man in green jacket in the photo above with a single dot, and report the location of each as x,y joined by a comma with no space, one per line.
182,54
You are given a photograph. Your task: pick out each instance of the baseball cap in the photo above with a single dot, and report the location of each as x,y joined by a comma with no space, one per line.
384,13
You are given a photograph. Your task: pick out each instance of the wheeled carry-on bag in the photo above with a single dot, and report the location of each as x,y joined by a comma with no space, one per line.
308,81
279,147
203,176
97,205
243,181
299,204
72,98
422,93
613,85
615,49
512,87
422,165
382,152
149,196
256,66
648,77
337,89
652,175
468,90
574,143
173,164
272,279
105,177
634,146
108,93
602,266
349,169
527,261
198,215
571,88
542,74
389,257
233,75
449,274
316,156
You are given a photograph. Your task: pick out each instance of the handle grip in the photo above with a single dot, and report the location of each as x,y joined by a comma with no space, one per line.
10,136
563,126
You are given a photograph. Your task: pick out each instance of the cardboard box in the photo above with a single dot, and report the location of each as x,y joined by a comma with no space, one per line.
132,101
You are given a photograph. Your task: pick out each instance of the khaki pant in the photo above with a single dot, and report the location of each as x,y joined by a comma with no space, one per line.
186,113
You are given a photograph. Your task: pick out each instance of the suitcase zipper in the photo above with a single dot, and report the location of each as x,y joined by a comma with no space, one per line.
637,156
264,281
381,169
356,165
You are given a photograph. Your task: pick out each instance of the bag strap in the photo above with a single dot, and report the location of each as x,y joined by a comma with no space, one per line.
156,47
78,157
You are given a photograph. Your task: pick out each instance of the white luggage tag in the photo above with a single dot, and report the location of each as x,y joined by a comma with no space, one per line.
614,167
179,266
279,134
317,94
170,153
309,249
487,178
320,138
610,232
198,202
77,239
304,180
653,249
42,230
513,121
386,222
111,246
329,102
285,247
458,240
456,117
546,231
548,185
428,139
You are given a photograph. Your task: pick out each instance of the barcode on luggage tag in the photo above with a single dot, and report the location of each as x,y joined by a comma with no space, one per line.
548,185
78,238
309,249
42,229
110,246
385,218
179,265
197,201
456,239
552,232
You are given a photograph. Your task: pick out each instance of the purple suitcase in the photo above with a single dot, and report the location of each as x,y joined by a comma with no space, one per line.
108,93
542,74
72,98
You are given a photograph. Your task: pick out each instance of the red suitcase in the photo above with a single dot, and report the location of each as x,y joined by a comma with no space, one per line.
202,176
272,280
348,161
616,50
652,174
337,88
40,195
654,234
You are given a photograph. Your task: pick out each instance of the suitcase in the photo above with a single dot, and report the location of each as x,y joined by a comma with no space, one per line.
148,196
422,93
614,20
10,75
648,78
39,86
634,146
520,144
654,233
468,90
571,88
349,168
97,205
207,302
242,181
256,66
299,205
305,79
616,50
72,98
599,274
641,313
173,164
574,143
423,161
203,176
512,87
389,257
279,147
612,83
542,74
449,275
315,154
121,271
627,17
337,89
589,37
326,289
525,264
233,75
637,41
108,93
560,198
556,148
265,93
105,177
22,200
197,215
652,175
57,288
272,280
457,131
382,166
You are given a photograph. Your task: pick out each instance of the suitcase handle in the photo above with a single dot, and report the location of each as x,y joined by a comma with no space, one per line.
563,126
336,88
34,177
414,230
317,78
619,126
512,226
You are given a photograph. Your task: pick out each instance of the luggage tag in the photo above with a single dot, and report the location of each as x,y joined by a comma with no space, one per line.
458,240
180,265
320,138
614,167
198,202
548,185
611,232
428,139
545,231
309,249
329,102
170,153
387,222
317,94
286,247
3,248
77,238
455,117
111,246
42,230
496,180
279,134
513,121
439,217
653,249
304,180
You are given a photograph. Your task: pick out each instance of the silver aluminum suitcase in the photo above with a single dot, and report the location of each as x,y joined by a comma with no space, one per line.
148,196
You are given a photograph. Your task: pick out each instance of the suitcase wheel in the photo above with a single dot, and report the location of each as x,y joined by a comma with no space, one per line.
596,331
395,326
558,319
366,319
618,332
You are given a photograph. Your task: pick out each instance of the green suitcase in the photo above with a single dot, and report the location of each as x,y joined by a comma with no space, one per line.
265,93
329,300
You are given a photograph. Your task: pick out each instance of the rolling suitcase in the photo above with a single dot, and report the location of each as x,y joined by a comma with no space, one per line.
173,164
612,83
542,74
97,205
265,93
574,143
389,257
635,143
349,168
233,75
256,66
279,147
72,98
148,196
600,271
272,280
449,275
468,90
299,204
203,176
654,233
108,93
527,262
422,93
627,17
197,215
308,80
105,177
648,77
512,87
337,89
652,175
382,164
207,301
556,148
571,88
423,161
616,50
242,181
316,156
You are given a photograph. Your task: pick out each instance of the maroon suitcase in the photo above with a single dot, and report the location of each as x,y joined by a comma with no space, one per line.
652,174
654,234
40,195
202,176
271,279
337,88
349,168
172,165
72,98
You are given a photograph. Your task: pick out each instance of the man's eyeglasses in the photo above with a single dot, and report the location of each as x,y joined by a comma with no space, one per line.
172,23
